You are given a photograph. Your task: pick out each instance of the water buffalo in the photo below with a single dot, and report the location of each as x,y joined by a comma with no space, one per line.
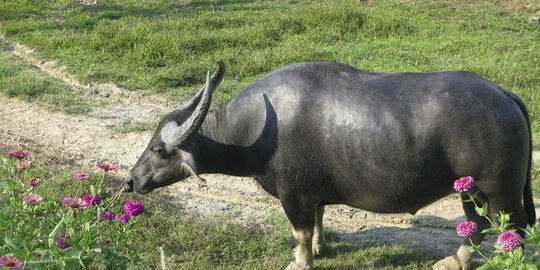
314,134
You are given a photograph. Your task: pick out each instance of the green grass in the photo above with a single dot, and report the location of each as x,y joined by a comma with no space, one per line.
167,46
214,243
18,79
137,127
535,176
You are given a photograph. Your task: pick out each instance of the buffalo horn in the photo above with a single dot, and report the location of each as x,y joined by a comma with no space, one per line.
217,77
175,135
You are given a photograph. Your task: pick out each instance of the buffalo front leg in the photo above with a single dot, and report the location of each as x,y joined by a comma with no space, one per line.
303,256
318,236
302,217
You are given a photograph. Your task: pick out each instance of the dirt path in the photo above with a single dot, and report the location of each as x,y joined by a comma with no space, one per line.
84,140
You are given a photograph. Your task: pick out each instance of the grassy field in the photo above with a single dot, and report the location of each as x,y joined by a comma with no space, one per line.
166,48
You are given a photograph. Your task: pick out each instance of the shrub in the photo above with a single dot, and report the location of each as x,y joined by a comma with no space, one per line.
36,233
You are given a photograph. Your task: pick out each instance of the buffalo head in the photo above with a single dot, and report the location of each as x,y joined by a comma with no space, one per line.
167,158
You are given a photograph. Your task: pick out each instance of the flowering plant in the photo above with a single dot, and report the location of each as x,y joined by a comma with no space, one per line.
508,252
37,232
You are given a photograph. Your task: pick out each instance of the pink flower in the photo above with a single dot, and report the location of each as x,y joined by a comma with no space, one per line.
463,184
20,154
133,208
34,181
10,262
509,241
108,215
82,176
61,244
74,203
466,229
32,198
123,218
24,164
90,199
107,167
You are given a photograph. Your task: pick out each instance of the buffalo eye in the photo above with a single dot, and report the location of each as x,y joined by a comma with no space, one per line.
159,150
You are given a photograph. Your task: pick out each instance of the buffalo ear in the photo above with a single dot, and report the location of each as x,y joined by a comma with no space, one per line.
189,171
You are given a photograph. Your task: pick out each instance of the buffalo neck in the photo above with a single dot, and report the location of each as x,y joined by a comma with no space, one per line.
223,146
236,142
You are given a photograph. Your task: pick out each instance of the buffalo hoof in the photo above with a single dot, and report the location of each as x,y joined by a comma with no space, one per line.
317,248
295,266
450,263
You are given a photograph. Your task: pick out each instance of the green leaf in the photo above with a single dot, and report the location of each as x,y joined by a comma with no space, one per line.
54,233
72,254
14,248
484,267
472,196
482,211
491,230
503,217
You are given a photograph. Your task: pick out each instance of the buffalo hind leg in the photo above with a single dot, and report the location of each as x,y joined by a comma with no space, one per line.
301,214
509,203
318,236
462,259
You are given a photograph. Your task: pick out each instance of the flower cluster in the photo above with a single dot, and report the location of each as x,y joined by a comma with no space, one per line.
74,203
78,203
463,184
24,164
32,198
107,166
19,154
60,243
466,229
508,241
10,262
77,229
90,199
82,176
132,208
34,181
107,215
123,218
